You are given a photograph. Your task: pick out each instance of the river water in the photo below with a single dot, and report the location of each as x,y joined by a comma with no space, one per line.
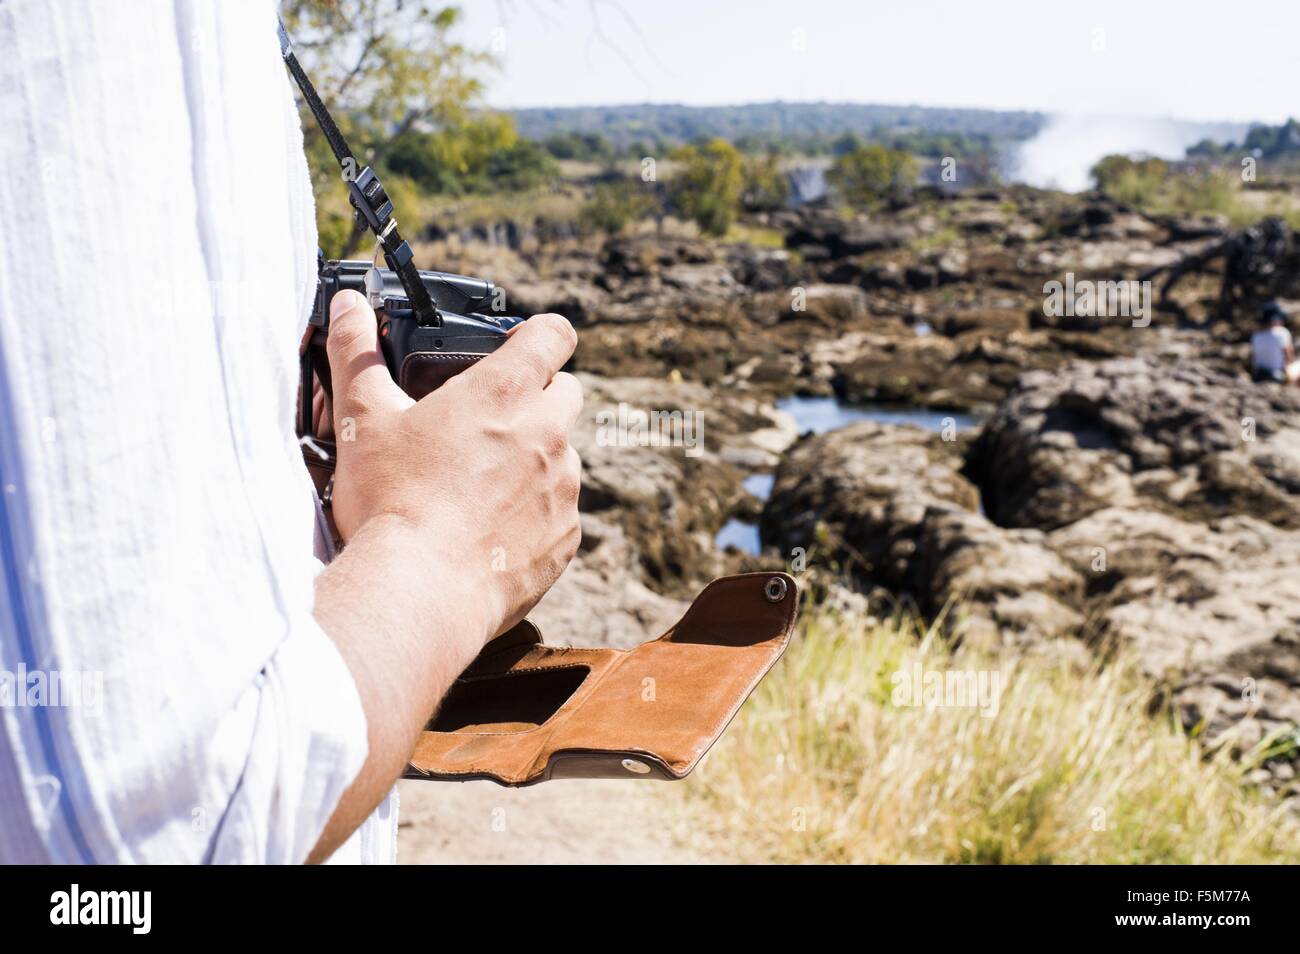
819,415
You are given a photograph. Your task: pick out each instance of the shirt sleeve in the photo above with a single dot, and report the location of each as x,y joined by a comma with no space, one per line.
156,522
305,747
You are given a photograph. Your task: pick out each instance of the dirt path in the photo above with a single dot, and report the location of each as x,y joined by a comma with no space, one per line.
566,822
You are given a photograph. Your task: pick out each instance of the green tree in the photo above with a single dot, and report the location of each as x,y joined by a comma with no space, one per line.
576,145
766,185
1273,142
482,154
389,71
615,204
870,176
525,165
708,187
1138,182
846,143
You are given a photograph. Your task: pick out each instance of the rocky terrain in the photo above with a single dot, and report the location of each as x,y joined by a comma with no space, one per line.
1128,484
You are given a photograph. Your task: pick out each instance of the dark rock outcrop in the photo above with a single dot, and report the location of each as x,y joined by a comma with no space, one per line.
888,505
1177,436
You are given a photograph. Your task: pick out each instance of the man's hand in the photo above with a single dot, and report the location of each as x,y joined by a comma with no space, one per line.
482,467
459,512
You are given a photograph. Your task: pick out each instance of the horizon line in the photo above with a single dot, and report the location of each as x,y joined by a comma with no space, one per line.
1041,113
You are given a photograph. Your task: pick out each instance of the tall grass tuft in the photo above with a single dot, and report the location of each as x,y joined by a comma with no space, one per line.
1075,766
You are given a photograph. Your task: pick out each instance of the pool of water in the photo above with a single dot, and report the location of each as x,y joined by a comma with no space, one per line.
740,534
821,414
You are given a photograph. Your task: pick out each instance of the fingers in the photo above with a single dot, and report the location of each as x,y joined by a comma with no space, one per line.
361,379
573,466
531,356
563,398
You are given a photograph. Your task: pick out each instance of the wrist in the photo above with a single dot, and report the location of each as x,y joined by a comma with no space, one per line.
418,567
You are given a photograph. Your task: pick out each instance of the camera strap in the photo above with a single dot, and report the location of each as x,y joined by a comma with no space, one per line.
366,194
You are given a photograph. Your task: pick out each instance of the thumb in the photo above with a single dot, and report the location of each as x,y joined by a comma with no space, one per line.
360,376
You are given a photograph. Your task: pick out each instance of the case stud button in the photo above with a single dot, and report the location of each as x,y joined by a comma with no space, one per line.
775,590
635,767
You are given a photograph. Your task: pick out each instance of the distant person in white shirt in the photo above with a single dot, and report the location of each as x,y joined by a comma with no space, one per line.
1272,350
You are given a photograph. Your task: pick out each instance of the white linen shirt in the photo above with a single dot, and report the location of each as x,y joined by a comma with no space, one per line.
157,262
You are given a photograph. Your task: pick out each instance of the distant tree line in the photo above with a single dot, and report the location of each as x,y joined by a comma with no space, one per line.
758,127
1262,141
713,183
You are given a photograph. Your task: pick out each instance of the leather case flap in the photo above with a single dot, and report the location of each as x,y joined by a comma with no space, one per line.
525,712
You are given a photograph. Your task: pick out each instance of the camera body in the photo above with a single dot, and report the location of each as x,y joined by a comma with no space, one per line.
420,355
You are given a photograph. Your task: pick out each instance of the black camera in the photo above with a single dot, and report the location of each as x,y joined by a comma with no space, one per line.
420,353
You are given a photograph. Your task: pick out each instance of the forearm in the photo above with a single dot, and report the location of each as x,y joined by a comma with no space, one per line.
483,461
404,642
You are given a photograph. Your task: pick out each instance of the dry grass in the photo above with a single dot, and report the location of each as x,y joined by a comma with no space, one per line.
758,236
821,766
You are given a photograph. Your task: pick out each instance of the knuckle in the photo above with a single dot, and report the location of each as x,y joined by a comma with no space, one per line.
572,491
345,343
508,383
572,542
555,440
573,475
341,339
559,326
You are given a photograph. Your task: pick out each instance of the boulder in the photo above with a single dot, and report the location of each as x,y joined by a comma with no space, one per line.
833,306
579,301
669,489
997,320
703,279
1178,435
1192,228
888,505
761,269
896,369
1212,610
833,237
601,599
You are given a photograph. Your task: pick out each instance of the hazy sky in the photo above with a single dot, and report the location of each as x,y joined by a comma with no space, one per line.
1196,59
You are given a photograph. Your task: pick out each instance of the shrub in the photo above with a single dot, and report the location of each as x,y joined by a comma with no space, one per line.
483,153
708,187
524,165
576,145
614,204
1137,182
766,186
870,176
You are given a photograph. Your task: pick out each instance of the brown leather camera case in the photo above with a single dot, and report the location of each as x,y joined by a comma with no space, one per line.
525,712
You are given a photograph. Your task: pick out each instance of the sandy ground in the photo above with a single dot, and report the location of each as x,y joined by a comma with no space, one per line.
564,822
